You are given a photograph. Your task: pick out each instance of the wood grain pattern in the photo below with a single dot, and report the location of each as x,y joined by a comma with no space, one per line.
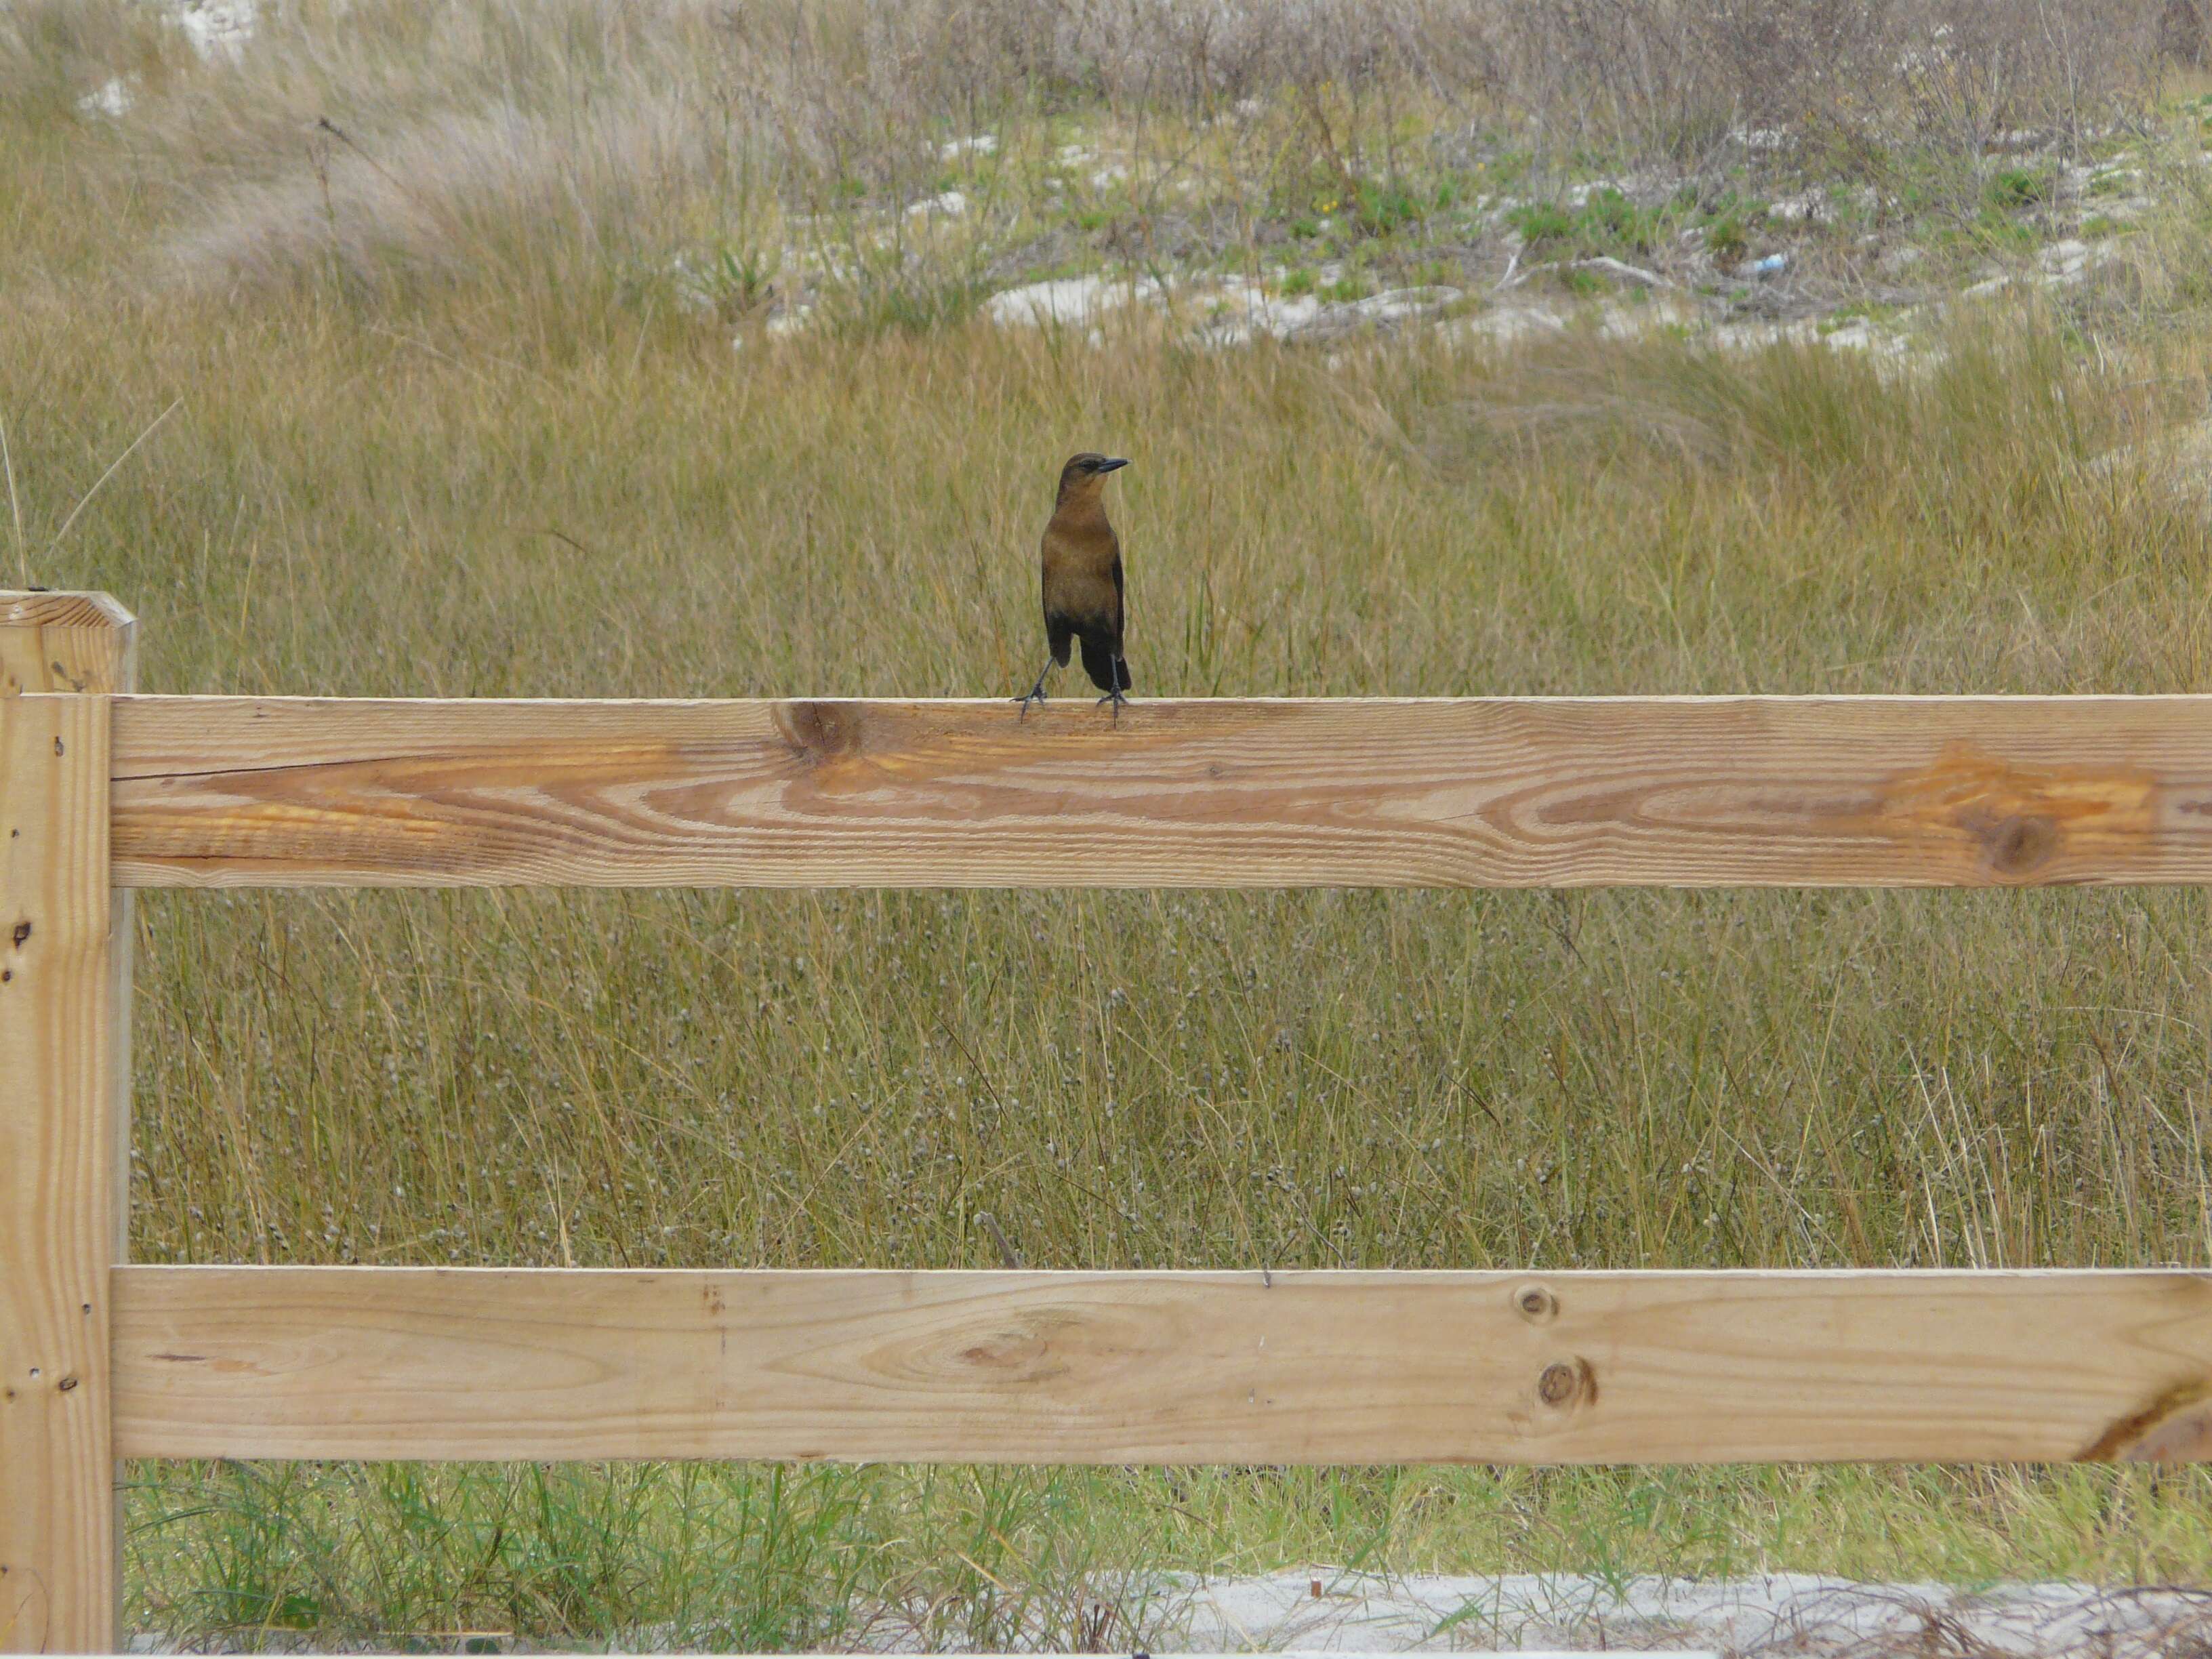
58,1141
1571,792
83,642
63,642
1341,1367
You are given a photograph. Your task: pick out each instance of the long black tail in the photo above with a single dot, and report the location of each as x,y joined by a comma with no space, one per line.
1102,663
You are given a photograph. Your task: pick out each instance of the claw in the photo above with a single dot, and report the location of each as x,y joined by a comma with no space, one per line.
1117,698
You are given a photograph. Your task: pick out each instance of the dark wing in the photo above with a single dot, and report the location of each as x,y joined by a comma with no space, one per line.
1118,622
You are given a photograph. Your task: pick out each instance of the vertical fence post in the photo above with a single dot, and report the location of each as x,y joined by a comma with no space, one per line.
64,1119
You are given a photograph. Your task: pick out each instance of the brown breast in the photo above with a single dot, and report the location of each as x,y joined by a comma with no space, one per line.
1079,552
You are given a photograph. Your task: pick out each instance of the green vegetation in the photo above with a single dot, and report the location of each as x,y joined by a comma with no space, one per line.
1726,239
1607,222
1381,208
1544,225
2011,189
1995,232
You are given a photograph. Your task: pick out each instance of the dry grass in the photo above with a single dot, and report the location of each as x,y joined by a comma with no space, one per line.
563,150
459,441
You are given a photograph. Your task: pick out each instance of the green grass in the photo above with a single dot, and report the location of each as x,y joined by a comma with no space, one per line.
1727,240
1380,209
519,467
758,1558
2011,190
1607,223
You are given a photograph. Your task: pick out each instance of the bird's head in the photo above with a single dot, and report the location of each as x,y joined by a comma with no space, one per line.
1084,473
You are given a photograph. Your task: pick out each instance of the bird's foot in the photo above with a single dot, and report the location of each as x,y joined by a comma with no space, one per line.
1034,694
1117,698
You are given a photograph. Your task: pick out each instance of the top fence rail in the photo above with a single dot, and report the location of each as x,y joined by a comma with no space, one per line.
1505,791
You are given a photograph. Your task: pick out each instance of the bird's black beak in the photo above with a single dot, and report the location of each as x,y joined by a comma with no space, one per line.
1112,464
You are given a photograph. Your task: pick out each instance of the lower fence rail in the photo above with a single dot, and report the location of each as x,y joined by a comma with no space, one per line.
1253,1367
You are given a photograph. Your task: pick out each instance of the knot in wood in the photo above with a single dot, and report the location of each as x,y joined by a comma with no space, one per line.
1025,1350
820,731
1564,1381
2019,844
1536,1304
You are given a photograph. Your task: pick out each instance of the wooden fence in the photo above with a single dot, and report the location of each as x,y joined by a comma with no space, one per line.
102,792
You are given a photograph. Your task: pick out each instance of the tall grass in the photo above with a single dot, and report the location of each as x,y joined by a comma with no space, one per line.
487,456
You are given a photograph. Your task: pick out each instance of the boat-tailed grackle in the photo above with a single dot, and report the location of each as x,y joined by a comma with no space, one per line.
1082,560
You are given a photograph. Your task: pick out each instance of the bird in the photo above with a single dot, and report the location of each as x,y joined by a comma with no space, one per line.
1082,561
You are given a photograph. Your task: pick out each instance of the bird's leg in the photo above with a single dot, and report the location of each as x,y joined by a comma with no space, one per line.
1113,695
1035,693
